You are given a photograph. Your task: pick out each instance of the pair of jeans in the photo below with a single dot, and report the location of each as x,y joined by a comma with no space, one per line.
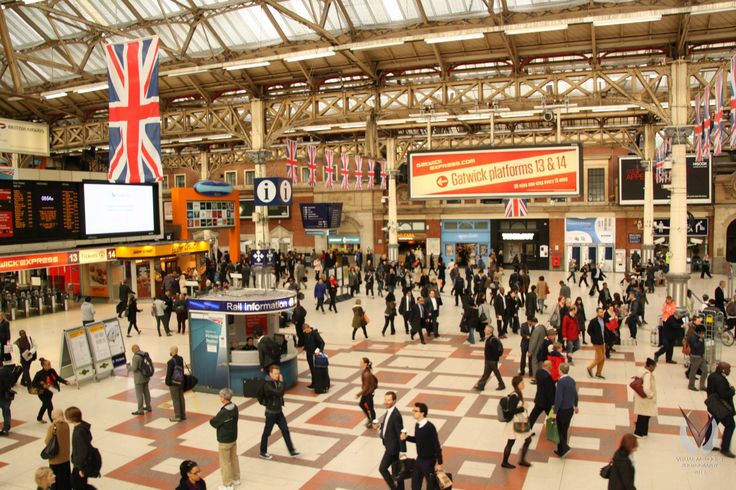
571,346
423,469
143,396
46,404
177,398
366,405
275,418
320,304
389,320
471,336
668,346
696,363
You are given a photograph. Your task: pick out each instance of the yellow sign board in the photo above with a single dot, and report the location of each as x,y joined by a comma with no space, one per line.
161,250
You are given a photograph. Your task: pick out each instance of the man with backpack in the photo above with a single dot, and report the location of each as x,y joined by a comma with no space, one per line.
272,397
269,352
175,382
493,352
142,367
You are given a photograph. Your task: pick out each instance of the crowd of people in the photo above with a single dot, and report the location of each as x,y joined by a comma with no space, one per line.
495,308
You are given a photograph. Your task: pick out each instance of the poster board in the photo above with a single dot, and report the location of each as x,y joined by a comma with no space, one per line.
116,342
76,357
209,349
99,348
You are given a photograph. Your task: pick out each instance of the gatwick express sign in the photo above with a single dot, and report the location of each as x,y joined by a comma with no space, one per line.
549,171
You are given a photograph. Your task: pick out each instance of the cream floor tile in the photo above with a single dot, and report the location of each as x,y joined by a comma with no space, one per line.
411,362
312,447
361,457
579,442
453,382
169,465
461,366
477,469
480,434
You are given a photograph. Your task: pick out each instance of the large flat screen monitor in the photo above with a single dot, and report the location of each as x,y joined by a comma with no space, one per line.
120,209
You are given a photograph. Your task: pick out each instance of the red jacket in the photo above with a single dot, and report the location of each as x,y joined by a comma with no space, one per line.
570,328
556,358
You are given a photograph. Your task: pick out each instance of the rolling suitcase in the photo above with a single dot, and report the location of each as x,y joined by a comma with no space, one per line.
321,381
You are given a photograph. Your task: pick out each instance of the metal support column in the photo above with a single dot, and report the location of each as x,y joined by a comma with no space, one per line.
677,278
260,155
393,222
648,230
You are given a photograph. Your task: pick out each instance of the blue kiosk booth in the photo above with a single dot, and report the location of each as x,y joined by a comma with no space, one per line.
219,324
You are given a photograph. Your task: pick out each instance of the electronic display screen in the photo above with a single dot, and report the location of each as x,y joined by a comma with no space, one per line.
120,209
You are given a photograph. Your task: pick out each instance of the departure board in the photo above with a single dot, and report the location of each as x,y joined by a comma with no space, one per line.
39,211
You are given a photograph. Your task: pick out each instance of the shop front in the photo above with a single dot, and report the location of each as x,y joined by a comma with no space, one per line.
145,266
465,241
523,238
348,244
591,240
697,239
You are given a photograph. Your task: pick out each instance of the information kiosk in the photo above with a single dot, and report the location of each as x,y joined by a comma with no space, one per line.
220,324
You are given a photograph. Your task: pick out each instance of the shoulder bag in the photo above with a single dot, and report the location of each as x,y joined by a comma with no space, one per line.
52,448
638,386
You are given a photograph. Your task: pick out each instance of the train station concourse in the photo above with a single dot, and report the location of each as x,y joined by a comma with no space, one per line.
367,244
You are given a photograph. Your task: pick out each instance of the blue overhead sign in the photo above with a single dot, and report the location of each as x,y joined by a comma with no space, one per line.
321,215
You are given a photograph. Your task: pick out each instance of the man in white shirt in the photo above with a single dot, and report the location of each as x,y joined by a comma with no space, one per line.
88,311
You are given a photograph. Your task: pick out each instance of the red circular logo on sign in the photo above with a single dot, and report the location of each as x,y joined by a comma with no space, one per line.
442,181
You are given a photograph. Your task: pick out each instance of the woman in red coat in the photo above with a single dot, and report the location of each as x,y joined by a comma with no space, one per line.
571,332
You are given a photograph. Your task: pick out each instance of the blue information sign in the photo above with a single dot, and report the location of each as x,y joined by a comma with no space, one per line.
272,191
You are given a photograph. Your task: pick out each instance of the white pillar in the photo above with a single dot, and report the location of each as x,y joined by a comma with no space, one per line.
648,231
258,133
393,222
204,160
677,277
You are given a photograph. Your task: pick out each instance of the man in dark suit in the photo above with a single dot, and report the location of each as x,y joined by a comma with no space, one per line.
458,288
312,341
405,307
434,302
123,294
499,307
390,431
512,312
297,317
597,333
417,319
721,297
719,386
604,298
545,397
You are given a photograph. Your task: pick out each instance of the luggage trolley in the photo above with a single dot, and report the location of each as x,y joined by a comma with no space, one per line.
714,322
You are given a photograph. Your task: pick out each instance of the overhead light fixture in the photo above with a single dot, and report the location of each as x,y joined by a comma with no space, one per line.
474,117
190,140
191,70
458,37
352,125
323,127
611,108
420,115
246,66
712,9
626,20
91,88
309,56
517,114
377,45
220,137
31,2
515,31
53,95
389,122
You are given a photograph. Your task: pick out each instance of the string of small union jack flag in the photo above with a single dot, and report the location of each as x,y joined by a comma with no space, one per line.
376,169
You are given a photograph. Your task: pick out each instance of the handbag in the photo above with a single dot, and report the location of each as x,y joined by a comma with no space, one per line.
686,349
638,386
190,380
52,448
719,409
553,431
403,469
366,319
33,390
440,481
521,423
605,472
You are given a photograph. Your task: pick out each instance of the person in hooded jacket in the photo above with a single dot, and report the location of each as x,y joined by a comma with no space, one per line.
226,423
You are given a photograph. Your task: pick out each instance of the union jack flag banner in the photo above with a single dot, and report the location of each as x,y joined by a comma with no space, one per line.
292,166
329,168
706,123
345,172
371,173
134,113
515,207
718,116
698,136
312,154
384,175
358,173
732,83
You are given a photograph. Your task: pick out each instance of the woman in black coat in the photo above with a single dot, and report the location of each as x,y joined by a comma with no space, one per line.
42,382
81,449
622,471
133,314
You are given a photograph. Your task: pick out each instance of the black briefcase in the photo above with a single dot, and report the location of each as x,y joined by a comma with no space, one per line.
251,387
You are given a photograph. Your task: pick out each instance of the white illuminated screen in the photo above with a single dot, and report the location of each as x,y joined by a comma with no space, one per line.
118,208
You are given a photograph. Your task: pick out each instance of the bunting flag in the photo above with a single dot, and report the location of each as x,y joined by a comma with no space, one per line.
515,207
312,165
698,135
358,173
292,166
384,175
329,168
134,127
718,116
706,123
371,173
345,171
732,83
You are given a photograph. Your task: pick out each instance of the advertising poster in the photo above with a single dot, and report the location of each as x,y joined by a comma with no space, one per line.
590,231
496,173
97,275
143,280
76,353
209,349
100,347
115,341
631,182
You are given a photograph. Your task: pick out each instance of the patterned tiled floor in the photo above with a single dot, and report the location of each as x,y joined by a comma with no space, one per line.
338,452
